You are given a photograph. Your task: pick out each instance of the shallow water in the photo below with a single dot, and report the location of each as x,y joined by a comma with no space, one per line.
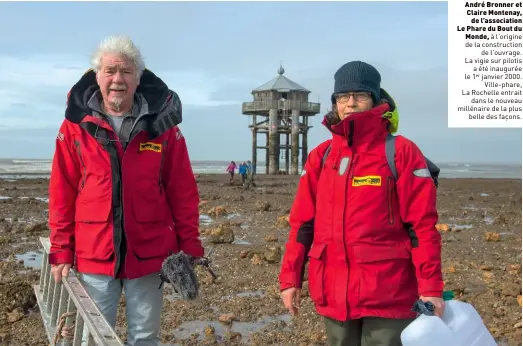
32,259
205,219
187,330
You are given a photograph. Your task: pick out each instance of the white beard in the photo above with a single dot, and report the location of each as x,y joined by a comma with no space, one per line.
116,102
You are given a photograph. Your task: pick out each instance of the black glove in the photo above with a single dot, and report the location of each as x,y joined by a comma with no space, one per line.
423,308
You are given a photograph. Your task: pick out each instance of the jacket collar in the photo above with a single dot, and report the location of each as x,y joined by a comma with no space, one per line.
359,129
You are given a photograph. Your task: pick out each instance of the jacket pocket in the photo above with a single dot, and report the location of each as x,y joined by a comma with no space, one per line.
316,274
386,277
153,242
148,208
93,229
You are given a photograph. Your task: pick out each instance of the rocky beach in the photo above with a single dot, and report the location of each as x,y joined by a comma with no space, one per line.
480,223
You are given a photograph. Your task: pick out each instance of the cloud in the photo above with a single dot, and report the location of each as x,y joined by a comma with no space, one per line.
33,89
199,89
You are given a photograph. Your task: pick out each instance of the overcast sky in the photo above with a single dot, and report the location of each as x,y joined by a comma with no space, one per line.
214,54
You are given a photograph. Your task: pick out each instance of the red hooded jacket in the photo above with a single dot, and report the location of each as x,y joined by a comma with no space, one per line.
116,211
348,218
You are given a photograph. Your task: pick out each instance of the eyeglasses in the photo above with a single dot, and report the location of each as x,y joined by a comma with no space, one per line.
358,97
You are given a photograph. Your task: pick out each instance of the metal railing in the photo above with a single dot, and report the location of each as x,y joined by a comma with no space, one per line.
66,309
265,105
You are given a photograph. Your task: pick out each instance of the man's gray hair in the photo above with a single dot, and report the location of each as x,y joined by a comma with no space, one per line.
120,45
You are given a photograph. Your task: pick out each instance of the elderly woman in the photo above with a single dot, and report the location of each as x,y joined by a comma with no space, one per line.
350,215
122,193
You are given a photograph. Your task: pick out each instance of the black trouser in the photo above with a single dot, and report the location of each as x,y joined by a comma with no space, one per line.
367,331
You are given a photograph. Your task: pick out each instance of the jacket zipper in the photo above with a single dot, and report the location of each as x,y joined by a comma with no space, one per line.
160,184
84,167
120,173
348,179
390,185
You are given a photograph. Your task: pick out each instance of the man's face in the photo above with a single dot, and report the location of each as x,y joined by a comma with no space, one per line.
118,81
353,102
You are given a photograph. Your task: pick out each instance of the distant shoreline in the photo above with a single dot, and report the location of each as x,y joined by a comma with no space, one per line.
38,176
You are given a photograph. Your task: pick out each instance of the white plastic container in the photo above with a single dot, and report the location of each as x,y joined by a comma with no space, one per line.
461,325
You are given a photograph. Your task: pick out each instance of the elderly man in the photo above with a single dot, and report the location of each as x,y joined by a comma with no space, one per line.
122,193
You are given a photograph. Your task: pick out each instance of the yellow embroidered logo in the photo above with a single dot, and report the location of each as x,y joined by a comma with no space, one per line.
369,180
151,146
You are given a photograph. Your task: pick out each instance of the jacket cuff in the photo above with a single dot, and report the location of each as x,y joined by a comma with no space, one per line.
285,285
61,257
434,287
192,249
438,294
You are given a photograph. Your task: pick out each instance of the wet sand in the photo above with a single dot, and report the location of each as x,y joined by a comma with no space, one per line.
481,259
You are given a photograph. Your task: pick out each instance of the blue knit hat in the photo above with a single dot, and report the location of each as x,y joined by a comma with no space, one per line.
357,76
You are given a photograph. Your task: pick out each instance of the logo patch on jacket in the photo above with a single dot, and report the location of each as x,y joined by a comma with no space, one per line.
368,180
151,146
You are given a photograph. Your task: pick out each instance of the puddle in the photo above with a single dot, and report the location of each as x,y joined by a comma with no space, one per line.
245,294
241,242
484,194
32,259
252,294
470,207
244,226
41,199
205,219
187,330
488,220
457,226
232,216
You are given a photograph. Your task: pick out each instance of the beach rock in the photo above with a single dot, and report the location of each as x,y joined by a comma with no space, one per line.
263,206
223,234
209,331
15,315
218,211
492,236
269,238
511,289
36,227
227,318
283,221
256,259
514,269
443,227
272,254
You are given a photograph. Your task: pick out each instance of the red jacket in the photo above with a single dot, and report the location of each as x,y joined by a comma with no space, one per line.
116,211
348,219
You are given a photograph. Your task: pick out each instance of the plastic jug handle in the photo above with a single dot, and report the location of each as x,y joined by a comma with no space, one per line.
423,308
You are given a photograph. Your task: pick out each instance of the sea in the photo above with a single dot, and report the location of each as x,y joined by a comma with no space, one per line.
41,168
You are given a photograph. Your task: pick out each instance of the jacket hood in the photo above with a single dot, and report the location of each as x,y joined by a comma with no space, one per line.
161,101
364,126
391,115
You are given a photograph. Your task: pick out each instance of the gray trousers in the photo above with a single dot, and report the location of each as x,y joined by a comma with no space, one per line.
143,304
367,331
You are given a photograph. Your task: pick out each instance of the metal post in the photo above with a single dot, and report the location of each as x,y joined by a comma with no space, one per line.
295,131
274,142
